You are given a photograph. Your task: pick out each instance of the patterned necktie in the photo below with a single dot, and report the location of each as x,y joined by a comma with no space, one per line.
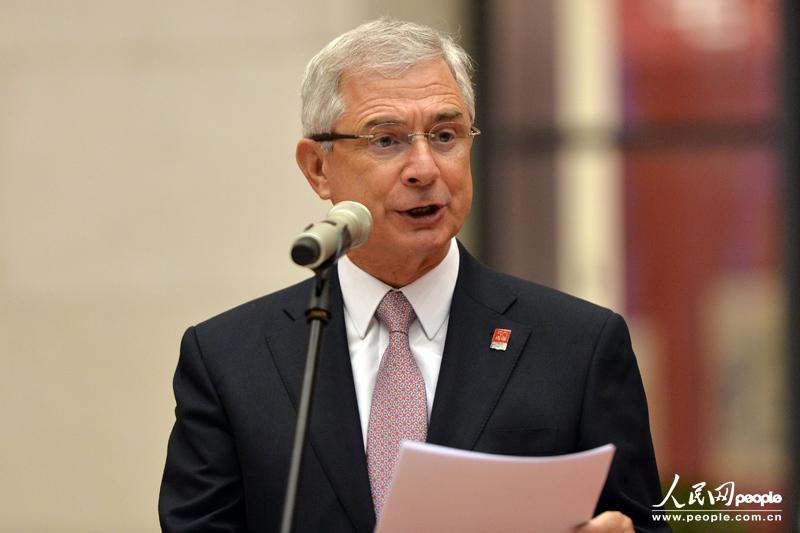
399,406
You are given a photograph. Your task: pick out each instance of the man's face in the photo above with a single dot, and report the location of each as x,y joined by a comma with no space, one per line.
392,189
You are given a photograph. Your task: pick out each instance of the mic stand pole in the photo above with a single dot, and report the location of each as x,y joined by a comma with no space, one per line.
317,315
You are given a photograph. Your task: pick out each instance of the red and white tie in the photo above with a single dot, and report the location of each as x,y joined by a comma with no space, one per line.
399,406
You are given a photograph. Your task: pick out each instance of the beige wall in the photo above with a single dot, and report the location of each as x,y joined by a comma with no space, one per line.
147,181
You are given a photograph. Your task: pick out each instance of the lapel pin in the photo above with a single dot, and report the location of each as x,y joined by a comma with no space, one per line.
500,339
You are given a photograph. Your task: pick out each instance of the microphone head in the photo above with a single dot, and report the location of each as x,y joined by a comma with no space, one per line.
305,250
347,225
357,218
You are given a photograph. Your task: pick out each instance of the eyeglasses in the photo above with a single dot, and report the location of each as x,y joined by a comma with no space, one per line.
391,139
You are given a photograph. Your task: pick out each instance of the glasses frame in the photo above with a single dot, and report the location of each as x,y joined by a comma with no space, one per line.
334,136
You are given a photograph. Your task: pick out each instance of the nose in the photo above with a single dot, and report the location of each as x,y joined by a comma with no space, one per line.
421,167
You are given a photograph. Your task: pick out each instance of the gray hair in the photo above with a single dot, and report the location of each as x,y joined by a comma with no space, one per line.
386,46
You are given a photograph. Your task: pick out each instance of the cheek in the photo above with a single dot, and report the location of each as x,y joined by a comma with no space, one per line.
347,178
348,186
468,192
461,189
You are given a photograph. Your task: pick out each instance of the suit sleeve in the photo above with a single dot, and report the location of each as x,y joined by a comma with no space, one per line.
615,410
202,486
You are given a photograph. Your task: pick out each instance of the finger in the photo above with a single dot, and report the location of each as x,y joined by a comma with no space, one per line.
607,522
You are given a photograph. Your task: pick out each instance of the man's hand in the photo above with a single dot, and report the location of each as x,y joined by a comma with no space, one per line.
608,522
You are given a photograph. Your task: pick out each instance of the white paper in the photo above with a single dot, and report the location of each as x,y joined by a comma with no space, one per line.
439,489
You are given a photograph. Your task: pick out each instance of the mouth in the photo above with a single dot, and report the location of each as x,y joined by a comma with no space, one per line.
422,211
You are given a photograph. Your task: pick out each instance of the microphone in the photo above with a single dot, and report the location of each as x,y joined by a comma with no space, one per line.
346,226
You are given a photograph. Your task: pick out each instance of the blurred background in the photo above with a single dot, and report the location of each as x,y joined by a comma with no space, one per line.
638,153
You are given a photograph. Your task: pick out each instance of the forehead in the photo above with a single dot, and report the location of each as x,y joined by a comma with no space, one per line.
417,96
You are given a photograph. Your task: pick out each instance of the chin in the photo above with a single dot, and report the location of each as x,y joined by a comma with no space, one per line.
423,245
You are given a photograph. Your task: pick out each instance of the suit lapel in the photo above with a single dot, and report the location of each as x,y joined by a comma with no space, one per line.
335,429
472,376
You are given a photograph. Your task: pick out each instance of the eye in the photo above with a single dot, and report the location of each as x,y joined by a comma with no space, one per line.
444,135
383,140
387,139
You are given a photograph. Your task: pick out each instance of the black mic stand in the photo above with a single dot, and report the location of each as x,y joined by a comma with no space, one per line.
317,315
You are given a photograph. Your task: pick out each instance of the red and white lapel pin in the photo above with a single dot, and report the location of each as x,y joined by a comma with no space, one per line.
500,339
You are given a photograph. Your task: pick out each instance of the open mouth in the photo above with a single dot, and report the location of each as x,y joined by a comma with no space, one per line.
424,211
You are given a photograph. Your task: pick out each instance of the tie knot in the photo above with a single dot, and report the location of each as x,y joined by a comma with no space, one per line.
396,312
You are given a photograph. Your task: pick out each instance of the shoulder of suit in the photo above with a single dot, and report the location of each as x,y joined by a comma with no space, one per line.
535,302
270,312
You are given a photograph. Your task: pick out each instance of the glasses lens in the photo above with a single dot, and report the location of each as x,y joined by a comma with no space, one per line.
391,139
449,135
387,140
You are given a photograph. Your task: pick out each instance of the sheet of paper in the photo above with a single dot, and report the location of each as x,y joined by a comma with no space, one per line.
439,489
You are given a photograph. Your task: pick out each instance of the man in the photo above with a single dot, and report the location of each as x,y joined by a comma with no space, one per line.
388,113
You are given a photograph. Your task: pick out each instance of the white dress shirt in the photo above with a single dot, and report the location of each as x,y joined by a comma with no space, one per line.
367,338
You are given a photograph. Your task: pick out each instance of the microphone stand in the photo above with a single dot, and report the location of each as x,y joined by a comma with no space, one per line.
317,315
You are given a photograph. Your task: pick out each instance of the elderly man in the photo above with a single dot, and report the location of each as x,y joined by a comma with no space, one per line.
388,111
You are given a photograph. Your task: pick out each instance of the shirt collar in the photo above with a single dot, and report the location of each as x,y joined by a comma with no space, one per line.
430,295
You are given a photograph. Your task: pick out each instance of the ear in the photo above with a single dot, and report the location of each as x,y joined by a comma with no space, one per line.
310,159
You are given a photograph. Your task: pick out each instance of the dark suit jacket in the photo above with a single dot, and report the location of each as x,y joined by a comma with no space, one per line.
567,382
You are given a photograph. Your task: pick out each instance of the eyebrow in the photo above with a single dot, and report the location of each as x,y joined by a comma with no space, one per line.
448,115
445,115
381,121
